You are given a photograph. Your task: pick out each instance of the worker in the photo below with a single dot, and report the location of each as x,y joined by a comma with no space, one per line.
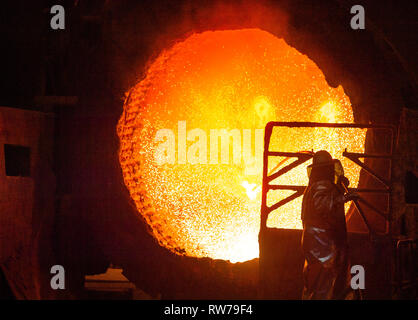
324,238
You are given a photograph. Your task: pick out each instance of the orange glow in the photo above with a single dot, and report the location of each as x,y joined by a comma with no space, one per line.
236,79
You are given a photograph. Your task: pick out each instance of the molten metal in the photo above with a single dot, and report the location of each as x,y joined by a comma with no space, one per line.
238,79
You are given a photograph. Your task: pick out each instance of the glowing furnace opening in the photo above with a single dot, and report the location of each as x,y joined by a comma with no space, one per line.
191,137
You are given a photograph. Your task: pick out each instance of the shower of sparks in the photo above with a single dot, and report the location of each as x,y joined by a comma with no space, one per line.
238,79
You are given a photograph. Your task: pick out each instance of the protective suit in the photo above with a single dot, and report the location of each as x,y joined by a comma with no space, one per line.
324,238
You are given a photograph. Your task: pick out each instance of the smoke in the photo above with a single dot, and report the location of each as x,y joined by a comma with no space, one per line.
139,32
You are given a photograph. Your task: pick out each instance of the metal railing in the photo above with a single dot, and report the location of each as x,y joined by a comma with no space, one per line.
302,157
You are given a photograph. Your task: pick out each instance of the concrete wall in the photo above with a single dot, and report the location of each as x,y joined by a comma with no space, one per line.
26,203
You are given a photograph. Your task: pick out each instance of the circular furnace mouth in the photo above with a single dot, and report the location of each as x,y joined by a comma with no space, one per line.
191,138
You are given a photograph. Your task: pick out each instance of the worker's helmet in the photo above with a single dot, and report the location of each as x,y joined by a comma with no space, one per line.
322,158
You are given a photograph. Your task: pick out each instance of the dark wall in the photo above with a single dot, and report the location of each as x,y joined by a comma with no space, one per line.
27,205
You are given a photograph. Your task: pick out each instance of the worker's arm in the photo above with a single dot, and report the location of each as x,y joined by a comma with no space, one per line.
326,198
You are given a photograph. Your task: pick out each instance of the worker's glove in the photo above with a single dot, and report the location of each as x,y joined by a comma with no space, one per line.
351,196
344,181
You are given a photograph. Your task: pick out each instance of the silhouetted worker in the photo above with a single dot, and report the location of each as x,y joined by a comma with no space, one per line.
324,239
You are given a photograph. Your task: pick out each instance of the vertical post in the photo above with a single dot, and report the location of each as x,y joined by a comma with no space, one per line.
264,210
